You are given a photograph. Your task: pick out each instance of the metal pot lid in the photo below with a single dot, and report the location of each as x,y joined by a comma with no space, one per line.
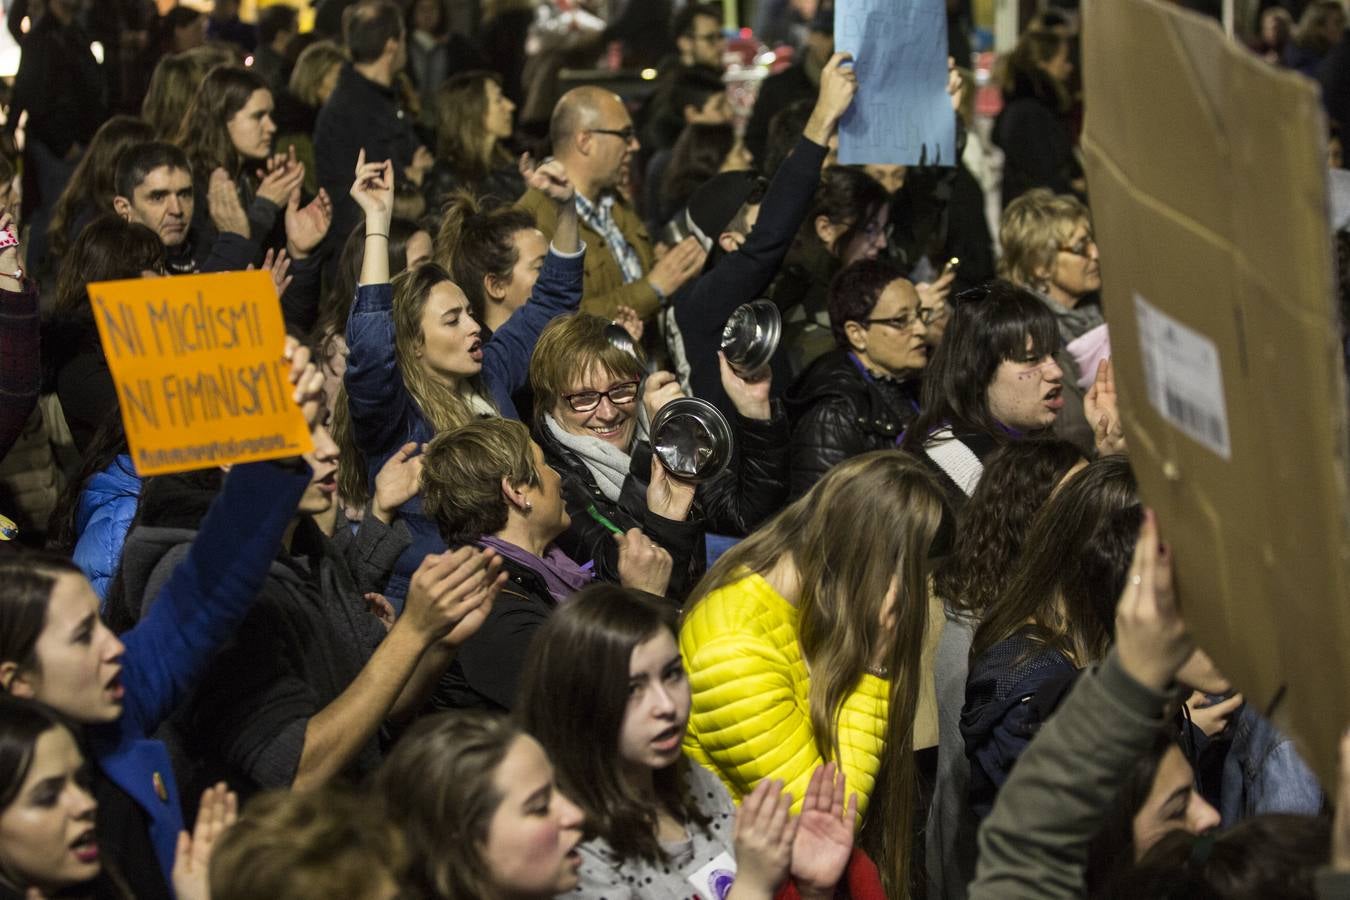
691,439
751,336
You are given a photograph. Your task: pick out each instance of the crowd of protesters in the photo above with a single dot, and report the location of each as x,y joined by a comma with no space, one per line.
917,637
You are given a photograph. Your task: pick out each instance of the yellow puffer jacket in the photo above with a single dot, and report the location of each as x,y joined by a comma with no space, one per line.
751,714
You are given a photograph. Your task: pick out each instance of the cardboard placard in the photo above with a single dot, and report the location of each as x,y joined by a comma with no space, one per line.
199,369
1207,175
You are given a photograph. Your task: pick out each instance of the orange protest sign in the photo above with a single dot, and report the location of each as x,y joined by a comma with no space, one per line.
199,369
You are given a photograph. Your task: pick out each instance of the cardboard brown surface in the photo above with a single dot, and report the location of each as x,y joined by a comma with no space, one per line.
1208,193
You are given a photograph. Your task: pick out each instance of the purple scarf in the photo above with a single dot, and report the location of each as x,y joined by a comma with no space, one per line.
561,575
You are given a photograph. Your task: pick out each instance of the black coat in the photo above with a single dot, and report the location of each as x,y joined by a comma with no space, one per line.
752,488
358,114
1036,142
838,413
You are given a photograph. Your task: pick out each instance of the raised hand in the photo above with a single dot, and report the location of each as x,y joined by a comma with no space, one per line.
824,842
935,293
627,318
306,381
278,265
681,263
373,191
838,86
450,590
1151,639
222,201
956,85
548,177
1101,409
192,860
307,225
397,482
643,564
749,394
765,831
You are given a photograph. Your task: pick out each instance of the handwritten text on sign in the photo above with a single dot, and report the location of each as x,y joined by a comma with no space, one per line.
198,365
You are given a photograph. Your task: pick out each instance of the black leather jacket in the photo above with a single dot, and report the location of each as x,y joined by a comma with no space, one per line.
837,412
752,488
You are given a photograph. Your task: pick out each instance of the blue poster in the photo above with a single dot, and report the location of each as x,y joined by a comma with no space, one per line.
901,113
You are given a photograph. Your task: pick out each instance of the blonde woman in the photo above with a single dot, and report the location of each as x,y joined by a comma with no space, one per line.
418,363
803,646
474,120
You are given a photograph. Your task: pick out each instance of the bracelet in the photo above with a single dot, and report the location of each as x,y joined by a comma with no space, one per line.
371,234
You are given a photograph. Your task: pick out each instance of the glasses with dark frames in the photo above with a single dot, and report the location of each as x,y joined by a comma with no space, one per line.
619,395
627,134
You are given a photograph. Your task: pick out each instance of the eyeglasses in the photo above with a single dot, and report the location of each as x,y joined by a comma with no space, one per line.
627,134
619,395
906,322
1080,248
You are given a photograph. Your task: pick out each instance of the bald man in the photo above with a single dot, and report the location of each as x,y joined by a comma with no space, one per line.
593,138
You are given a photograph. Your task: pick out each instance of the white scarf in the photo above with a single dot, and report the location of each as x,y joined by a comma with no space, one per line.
607,464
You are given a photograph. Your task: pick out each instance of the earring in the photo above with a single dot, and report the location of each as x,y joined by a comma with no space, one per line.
529,507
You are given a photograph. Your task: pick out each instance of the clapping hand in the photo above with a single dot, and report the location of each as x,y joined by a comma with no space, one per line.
824,842
192,860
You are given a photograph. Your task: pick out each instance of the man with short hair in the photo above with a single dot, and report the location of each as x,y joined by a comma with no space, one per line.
363,111
593,138
153,187
699,37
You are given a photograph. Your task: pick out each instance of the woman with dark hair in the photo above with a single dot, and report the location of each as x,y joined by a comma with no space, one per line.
1018,480
1053,619
1103,780
847,222
804,645
654,818
47,842
487,483
477,779
108,249
55,648
91,189
1033,130
228,134
174,83
992,380
701,151
1319,29
863,394
495,253
474,122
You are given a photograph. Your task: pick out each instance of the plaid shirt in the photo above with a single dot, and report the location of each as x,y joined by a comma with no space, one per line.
600,218
20,373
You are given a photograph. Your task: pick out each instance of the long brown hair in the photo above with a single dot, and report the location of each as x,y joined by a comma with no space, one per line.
870,521
437,787
460,108
1073,567
204,134
444,405
91,185
580,660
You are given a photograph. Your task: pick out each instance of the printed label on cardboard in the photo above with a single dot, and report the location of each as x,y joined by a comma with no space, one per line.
1184,377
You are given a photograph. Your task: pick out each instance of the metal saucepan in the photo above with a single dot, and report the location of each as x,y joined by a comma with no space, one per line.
751,336
691,439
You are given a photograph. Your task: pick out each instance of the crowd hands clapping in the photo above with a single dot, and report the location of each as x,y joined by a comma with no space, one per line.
485,639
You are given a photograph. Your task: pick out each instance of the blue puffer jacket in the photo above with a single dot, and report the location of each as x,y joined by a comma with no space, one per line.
107,506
